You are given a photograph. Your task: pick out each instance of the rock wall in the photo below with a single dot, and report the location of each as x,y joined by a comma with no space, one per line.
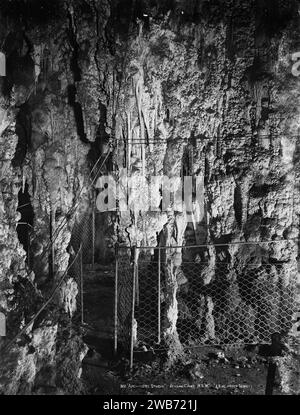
176,88
44,154
209,91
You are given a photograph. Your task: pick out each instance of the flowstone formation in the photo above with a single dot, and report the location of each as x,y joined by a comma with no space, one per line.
176,88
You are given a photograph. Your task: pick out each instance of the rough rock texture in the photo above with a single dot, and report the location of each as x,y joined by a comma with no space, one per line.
176,87
209,91
42,153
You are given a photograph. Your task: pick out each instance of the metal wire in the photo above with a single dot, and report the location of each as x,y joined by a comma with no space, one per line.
219,303
227,138
80,254
278,241
42,308
76,266
123,300
72,265
83,241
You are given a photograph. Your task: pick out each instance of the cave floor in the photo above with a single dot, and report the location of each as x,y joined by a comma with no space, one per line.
98,297
205,371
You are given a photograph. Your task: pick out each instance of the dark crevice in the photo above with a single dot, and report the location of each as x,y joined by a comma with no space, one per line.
78,114
23,131
100,146
186,163
74,58
72,91
19,66
29,13
26,222
238,206
272,16
261,190
230,49
206,171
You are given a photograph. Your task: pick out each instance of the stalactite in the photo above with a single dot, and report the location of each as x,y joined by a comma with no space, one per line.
139,97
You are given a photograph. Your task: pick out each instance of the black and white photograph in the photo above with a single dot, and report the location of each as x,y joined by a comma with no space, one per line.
150,201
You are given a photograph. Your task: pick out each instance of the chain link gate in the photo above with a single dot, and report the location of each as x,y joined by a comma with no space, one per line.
218,302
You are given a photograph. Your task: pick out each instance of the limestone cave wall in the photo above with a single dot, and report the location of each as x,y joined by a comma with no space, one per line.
175,88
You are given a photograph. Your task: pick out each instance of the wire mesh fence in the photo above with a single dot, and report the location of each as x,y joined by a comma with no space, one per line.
244,305
208,302
82,255
84,234
49,250
123,299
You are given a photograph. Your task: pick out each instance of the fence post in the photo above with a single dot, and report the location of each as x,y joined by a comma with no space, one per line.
133,306
28,245
116,299
137,284
276,350
93,238
81,284
52,240
158,303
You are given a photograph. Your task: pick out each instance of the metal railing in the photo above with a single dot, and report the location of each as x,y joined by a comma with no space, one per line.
236,300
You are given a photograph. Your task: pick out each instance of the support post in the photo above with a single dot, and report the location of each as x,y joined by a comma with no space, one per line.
52,231
270,377
81,284
133,306
137,284
116,299
276,350
28,245
93,238
158,299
